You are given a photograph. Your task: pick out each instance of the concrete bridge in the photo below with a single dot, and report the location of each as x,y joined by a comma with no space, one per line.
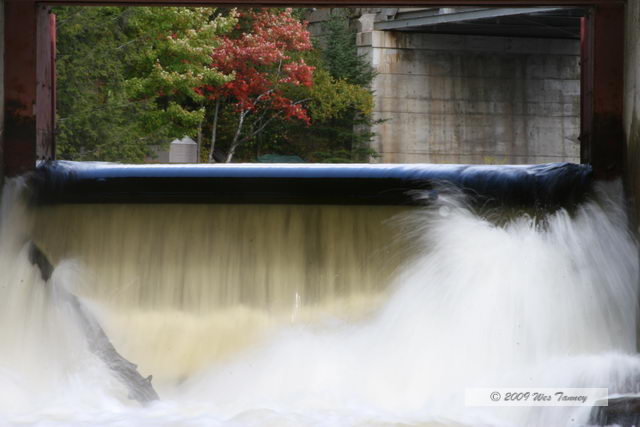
473,84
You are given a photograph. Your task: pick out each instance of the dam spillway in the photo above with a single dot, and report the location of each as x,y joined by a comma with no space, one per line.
255,313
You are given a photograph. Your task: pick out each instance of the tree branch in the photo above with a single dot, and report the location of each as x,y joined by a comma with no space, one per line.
214,131
235,142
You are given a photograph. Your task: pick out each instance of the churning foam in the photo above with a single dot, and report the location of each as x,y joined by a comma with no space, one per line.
534,303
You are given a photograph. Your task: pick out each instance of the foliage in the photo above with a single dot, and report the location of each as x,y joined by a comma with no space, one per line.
244,84
93,108
264,62
342,102
341,52
331,97
125,77
339,103
175,60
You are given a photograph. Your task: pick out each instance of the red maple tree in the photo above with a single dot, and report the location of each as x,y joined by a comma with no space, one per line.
264,63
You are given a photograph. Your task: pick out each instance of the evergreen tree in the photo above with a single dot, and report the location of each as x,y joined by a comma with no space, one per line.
344,114
175,64
341,52
94,113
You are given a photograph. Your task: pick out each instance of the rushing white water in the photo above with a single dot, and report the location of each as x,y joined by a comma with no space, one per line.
533,303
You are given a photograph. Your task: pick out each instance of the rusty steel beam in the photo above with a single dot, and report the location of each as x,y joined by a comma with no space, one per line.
19,149
45,93
337,3
28,86
602,131
586,89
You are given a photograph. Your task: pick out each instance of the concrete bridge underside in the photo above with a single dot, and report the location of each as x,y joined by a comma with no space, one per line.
475,85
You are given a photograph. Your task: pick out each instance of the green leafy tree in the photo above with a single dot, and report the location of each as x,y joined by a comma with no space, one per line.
94,111
126,78
340,101
266,63
349,130
174,62
130,79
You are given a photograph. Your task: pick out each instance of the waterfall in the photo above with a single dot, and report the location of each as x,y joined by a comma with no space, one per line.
315,315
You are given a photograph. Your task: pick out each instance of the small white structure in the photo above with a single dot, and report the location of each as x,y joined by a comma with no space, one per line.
183,150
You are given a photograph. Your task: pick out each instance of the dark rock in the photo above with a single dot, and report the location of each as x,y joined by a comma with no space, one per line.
140,388
621,411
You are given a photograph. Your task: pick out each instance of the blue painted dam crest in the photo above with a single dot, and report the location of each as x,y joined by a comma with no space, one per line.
280,295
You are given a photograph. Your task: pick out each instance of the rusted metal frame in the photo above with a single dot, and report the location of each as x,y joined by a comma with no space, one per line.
602,131
338,3
28,86
19,87
586,88
54,100
28,91
45,94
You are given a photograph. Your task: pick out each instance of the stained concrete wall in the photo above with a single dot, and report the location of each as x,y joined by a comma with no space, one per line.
474,99
632,99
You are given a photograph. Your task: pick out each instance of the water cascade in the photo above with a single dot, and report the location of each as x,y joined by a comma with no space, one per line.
315,314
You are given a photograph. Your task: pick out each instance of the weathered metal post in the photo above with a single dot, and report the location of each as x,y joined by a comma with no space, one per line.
602,132
28,86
